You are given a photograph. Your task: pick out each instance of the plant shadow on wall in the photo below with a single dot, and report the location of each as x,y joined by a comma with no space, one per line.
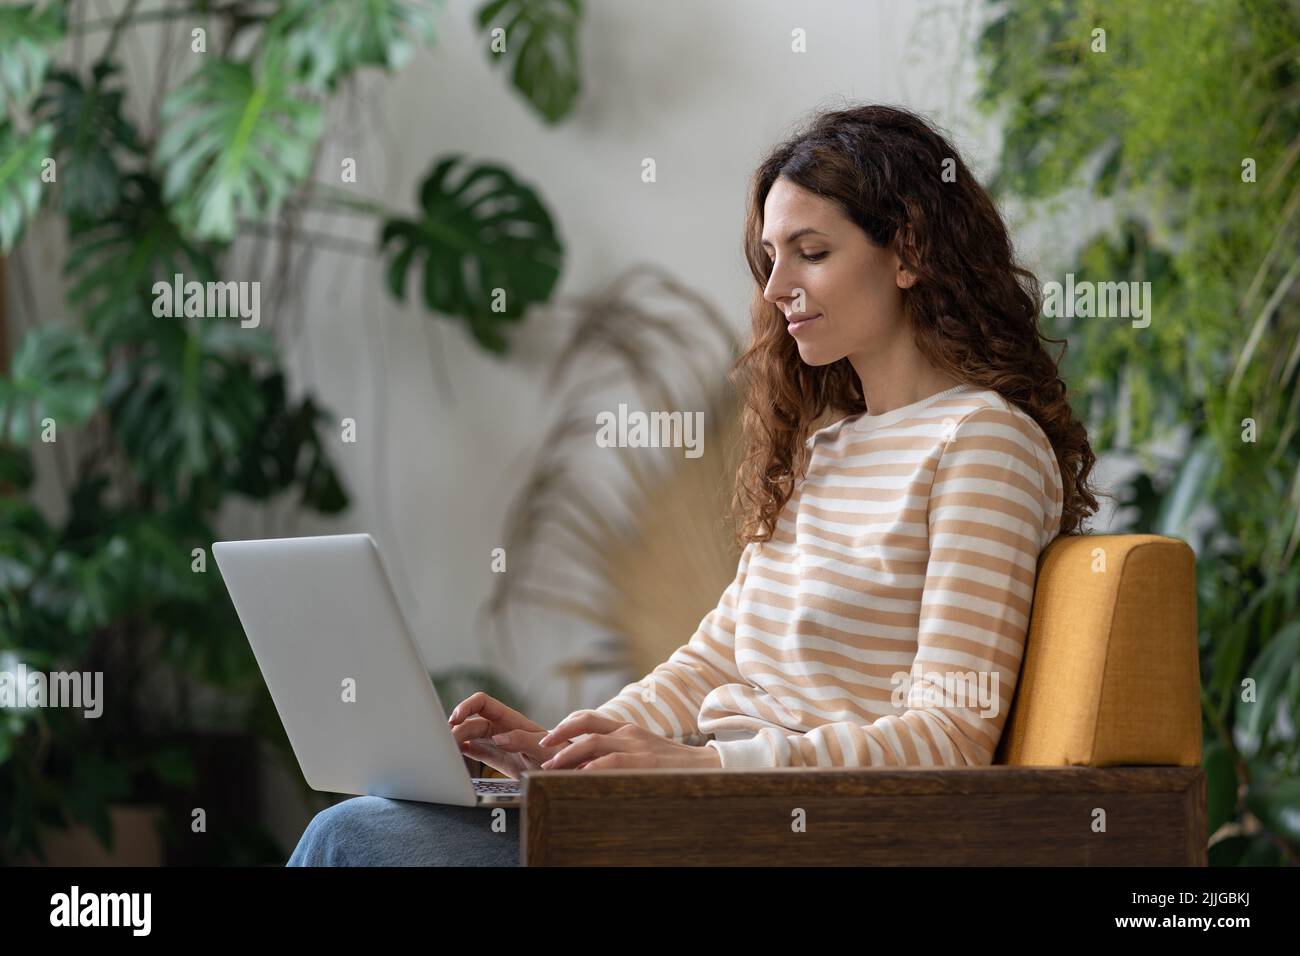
630,540
1200,108
173,406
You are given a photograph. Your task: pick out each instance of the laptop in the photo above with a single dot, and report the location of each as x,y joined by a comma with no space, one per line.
347,678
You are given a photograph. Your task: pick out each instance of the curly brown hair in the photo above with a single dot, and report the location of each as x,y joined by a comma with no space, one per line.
973,310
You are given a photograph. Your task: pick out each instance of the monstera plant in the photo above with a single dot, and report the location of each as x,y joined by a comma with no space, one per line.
157,423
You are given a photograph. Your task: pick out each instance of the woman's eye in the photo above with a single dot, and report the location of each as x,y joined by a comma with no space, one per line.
815,257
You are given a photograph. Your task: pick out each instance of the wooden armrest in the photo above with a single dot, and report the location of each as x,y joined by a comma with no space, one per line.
998,815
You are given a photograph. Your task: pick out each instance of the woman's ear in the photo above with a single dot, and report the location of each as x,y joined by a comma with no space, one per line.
904,277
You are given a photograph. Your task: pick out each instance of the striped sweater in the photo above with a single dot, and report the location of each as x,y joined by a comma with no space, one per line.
884,623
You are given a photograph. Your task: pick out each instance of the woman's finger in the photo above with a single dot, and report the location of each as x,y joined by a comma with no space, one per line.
471,729
588,748
607,762
478,750
525,744
477,703
516,741
579,724
486,706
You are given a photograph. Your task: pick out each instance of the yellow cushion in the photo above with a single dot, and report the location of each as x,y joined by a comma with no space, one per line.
1111,674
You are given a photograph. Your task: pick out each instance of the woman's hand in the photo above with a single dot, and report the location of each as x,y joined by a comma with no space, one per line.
500,736
613,744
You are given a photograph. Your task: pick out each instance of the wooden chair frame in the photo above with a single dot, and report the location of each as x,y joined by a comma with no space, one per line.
951,816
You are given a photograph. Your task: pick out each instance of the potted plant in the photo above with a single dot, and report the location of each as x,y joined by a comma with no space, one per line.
153,419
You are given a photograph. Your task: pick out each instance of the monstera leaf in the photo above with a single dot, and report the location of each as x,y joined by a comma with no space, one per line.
57,373
326,39
541,37
114,557
21,188
187,399
89,132
115,260
236,140
485,233
287,450
27,39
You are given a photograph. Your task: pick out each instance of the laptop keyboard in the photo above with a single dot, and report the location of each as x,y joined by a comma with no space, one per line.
494,786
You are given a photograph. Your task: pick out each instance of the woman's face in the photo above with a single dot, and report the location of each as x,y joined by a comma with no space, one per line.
851,287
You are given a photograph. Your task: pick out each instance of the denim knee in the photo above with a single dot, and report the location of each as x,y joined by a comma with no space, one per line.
379,831
324,841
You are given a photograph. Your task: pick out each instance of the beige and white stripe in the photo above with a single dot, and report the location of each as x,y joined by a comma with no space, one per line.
905,560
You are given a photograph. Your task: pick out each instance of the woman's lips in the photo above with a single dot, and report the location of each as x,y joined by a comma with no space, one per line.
795,327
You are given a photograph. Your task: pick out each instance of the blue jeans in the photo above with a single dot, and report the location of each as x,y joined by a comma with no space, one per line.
377,831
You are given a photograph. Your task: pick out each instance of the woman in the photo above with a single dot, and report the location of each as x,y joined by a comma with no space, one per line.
881,602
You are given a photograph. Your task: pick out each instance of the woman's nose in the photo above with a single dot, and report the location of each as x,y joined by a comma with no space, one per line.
777,290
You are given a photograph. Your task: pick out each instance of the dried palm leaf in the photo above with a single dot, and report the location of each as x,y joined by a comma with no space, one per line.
658,555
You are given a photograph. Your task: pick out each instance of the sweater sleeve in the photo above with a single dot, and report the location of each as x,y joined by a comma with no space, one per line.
994,504
667,700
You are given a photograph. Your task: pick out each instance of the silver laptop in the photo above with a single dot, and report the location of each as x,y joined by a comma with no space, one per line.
346,676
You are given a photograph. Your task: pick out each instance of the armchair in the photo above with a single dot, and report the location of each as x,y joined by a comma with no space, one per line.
1098,764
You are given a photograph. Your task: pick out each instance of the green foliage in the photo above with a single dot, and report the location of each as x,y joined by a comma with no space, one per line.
89,133
1276,672
187,399
1163,128
286,451
20,178
329,39
541,39
484,233
56,373
116,258
236,140
180,415
27,36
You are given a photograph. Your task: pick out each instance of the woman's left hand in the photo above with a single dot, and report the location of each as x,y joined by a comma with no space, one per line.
615,744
